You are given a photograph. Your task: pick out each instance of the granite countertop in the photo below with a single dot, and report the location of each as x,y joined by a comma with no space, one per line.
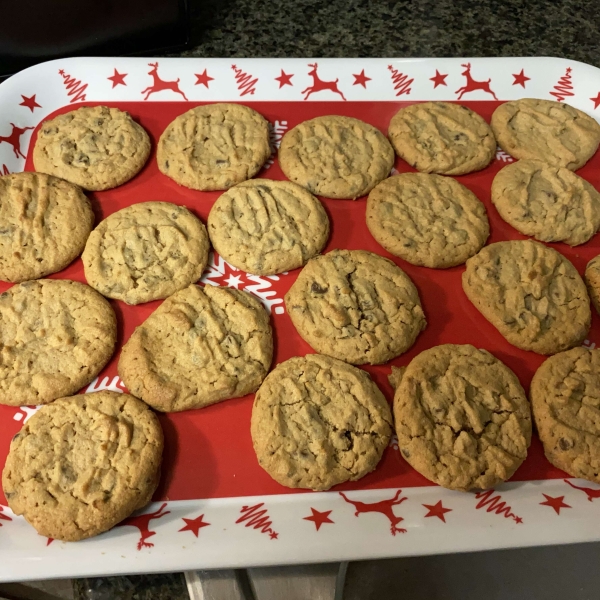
377,28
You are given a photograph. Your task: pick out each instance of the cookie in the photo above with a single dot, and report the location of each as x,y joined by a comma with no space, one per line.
532,294
462,418
96,147
317,421
267,227
336,157
439,137
554,132
83,464
428,220
56,335
214,147
552,204
145,252
200,346
356,306
564,397
44,224
592,280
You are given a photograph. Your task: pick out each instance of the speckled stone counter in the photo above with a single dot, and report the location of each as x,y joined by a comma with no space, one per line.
375,28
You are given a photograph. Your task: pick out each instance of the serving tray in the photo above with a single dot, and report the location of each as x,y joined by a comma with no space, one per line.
215,507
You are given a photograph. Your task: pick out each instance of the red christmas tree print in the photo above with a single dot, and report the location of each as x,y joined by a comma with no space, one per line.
438,79
246,84
142,522
30,102
437,510
194,525
14,139
564,88
257,519
495,504
401,82
3,517
555,503
318,84
520,78
284,79
117,78
473,85
384,507
319,518
203,78
361,79
158,84
75,89
590,492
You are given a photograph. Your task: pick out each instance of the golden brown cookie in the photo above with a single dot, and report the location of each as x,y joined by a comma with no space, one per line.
214,147
356,306
428,220
145,252
592,280
532,294
317,422
552,204
462,417
83,464
553,132
200,346
56,335
565,393
267,227
44,224
336,157
440,137
95,147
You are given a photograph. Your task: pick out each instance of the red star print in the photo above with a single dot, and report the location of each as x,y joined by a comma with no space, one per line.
284,79
518,520
596,101
61,72
520,78
556,503
273,535
194,525
318,518
49,541
30,103
117,78
437,510
438,79
203,78
361,79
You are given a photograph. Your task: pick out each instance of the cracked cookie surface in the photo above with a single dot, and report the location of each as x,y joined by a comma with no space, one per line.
565,398
462,417
146,252
553,132
317,421
214,147
267,227
439,137
356,306
428,220
592,280
44,224
549,203
200,346
56,335
532,294
81,465
336,157
95,147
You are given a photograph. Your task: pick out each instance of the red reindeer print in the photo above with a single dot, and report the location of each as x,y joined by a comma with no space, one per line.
3,517
591,493
320,85
160,84
385,507
142,522
14,139
4,170
473,85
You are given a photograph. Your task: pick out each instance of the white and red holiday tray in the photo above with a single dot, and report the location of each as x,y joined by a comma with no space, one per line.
215,507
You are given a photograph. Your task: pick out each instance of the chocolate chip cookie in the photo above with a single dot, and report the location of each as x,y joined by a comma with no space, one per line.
462,418
317,421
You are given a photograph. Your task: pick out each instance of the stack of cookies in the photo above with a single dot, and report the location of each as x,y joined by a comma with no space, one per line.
462,418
